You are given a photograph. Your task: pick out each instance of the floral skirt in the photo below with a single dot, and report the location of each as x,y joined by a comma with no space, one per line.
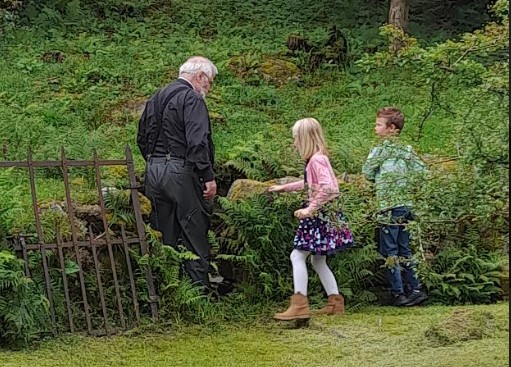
323,235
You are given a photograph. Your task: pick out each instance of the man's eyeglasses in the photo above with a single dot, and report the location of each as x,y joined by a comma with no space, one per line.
210,80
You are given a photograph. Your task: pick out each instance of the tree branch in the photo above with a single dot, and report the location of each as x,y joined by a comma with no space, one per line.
429,111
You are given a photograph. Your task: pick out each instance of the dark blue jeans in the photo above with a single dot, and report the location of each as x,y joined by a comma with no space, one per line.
394,242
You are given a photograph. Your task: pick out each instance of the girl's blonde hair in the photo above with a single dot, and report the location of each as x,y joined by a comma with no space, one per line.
309,137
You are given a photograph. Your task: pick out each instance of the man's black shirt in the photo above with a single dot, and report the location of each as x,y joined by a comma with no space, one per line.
185,126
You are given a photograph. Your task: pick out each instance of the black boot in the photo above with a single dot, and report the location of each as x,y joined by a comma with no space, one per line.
416,297
398,300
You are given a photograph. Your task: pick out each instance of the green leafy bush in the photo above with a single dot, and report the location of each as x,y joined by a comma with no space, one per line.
178,300
23,309
460,276
257,234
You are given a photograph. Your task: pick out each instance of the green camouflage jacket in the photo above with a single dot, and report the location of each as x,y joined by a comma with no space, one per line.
393,167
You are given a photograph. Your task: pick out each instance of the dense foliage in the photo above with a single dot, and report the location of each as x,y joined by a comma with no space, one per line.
76,73
23,309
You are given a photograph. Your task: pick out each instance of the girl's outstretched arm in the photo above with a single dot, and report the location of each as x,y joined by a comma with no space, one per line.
292,186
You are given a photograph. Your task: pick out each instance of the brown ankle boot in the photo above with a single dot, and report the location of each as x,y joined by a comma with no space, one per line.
334,306
298,309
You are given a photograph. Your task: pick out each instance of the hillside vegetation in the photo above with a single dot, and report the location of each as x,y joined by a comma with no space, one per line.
77,73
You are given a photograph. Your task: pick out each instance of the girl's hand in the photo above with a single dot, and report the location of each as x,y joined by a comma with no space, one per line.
303,213
276,188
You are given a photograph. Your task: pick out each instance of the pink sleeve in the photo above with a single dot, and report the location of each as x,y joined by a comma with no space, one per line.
324,183
294,186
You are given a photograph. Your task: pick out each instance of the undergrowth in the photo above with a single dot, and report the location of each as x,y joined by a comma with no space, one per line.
76,74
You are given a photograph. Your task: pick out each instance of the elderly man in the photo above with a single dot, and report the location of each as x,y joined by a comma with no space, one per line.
174,136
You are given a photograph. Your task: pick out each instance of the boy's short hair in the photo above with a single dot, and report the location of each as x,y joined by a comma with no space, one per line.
393,116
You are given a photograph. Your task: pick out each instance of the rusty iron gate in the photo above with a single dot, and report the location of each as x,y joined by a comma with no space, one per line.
26,243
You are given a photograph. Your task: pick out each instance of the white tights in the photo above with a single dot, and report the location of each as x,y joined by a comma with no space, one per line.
300,276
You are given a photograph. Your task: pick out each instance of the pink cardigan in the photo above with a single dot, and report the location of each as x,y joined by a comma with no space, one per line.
322,183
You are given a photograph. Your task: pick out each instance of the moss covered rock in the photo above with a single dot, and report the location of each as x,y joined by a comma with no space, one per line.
244,188
278,71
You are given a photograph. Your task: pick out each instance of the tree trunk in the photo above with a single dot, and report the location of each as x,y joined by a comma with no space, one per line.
398,13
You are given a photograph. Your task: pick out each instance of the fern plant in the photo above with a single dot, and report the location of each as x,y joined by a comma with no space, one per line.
261,162
459,276
257,233
355,273
178,299
23,310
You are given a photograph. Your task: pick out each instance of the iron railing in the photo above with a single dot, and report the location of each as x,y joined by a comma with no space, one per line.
25,243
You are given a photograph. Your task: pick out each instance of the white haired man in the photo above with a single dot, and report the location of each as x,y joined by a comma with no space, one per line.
174,136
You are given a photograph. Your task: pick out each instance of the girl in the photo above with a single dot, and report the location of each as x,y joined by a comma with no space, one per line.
317,234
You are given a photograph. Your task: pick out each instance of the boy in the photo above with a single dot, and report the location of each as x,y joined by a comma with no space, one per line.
390,166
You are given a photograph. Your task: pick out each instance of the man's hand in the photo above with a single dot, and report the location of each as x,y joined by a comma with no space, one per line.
303,213
276,188
210,191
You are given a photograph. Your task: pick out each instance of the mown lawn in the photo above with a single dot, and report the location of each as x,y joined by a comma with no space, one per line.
373,337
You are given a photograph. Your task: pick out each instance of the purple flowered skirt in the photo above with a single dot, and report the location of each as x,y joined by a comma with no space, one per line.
323,235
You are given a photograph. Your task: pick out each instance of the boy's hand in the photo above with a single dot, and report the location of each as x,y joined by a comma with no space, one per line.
303,213
276,188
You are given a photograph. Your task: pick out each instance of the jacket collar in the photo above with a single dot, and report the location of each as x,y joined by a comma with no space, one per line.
184,81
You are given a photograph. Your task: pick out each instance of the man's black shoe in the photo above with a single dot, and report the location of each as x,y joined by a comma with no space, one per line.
416,298
225,288
399,300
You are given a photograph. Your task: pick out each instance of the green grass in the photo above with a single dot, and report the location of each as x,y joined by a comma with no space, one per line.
376,337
